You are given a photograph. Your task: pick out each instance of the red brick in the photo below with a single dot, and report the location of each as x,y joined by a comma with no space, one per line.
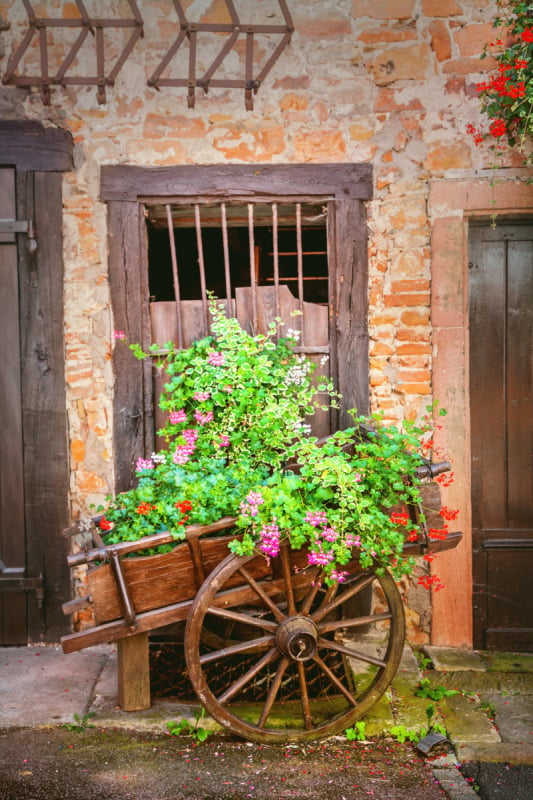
472,39
418,299
418,284
441,8
440,40
413,349
383,9
413,388
387,35
415,317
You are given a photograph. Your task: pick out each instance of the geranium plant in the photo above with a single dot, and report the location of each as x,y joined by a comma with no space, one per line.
507,95
237,444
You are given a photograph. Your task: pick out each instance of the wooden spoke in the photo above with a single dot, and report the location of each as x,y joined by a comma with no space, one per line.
287,576
342,597
246,619
239,684
335,681
340,648
262,595
235,649
311,594
334,625
273,691
305,697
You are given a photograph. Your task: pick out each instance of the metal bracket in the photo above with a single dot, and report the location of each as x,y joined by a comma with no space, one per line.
13,579
13,226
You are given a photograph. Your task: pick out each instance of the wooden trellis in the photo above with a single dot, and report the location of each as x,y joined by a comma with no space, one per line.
188,34
39,26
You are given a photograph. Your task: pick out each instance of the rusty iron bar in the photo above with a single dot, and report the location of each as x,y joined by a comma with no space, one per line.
175,276
201,265
275,256
299,251
225,248
253,281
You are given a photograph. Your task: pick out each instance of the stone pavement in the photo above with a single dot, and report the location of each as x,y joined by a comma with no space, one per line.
489,720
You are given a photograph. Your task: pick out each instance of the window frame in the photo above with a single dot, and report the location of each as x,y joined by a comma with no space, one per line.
126,189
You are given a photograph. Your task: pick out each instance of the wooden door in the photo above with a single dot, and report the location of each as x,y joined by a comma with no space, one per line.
34,475
13,620
501,409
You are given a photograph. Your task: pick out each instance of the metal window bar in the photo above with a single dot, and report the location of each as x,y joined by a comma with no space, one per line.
299,256
225,248
201,266
275,256
175,278
253,281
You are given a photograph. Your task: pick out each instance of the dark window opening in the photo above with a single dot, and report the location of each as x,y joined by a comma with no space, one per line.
217,246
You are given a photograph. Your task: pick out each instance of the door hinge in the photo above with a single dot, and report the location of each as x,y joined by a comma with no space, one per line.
20,226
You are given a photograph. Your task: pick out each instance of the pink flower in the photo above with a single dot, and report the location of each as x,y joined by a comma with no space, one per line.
319,558
190,435
316,518
119,335
227,388
202,396
216,359
329,534
144,463
223,441
178,416
270,534
337,576
183,453
203,419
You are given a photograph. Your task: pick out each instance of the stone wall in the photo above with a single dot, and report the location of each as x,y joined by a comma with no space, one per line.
390,82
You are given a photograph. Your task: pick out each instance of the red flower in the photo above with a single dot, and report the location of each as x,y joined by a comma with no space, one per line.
498,128
184,506
144,508
105,525
398,518
527,35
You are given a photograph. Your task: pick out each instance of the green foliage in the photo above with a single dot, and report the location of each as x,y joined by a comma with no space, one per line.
357,733
507,96
186,728
436,693
80,723
403,734
238,444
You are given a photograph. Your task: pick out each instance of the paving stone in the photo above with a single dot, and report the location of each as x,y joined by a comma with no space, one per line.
509,662
483,682
380,718
465,722
410,709
514,717
454,784
451,659
497,753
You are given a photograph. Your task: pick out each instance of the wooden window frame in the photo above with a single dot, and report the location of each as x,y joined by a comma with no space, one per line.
126,189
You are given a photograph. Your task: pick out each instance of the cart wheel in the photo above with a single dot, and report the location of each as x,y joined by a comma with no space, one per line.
296,632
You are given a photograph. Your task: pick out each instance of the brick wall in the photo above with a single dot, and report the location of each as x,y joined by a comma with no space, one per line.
391,82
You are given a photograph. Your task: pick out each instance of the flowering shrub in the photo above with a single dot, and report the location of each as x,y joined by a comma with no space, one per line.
237,444
507,96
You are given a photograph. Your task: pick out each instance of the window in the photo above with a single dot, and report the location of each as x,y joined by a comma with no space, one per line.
269,240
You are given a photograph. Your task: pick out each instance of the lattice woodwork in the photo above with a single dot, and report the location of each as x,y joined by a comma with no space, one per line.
40,26
189,33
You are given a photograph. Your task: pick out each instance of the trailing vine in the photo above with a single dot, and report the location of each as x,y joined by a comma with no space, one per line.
507,96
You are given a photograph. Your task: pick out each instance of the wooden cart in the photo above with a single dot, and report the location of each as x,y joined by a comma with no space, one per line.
340,645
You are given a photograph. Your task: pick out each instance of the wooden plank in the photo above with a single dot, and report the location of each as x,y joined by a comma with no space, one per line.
351,309
27,145
128,183
44,420
133,672
132,403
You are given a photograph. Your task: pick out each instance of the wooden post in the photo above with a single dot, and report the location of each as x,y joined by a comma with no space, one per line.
133,673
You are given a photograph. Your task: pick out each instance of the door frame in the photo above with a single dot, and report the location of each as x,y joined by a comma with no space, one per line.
452,205
40,156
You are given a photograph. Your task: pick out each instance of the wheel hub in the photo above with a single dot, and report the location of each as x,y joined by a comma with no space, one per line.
297,638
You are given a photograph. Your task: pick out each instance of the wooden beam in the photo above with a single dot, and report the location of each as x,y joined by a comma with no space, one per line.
29,146
133,673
